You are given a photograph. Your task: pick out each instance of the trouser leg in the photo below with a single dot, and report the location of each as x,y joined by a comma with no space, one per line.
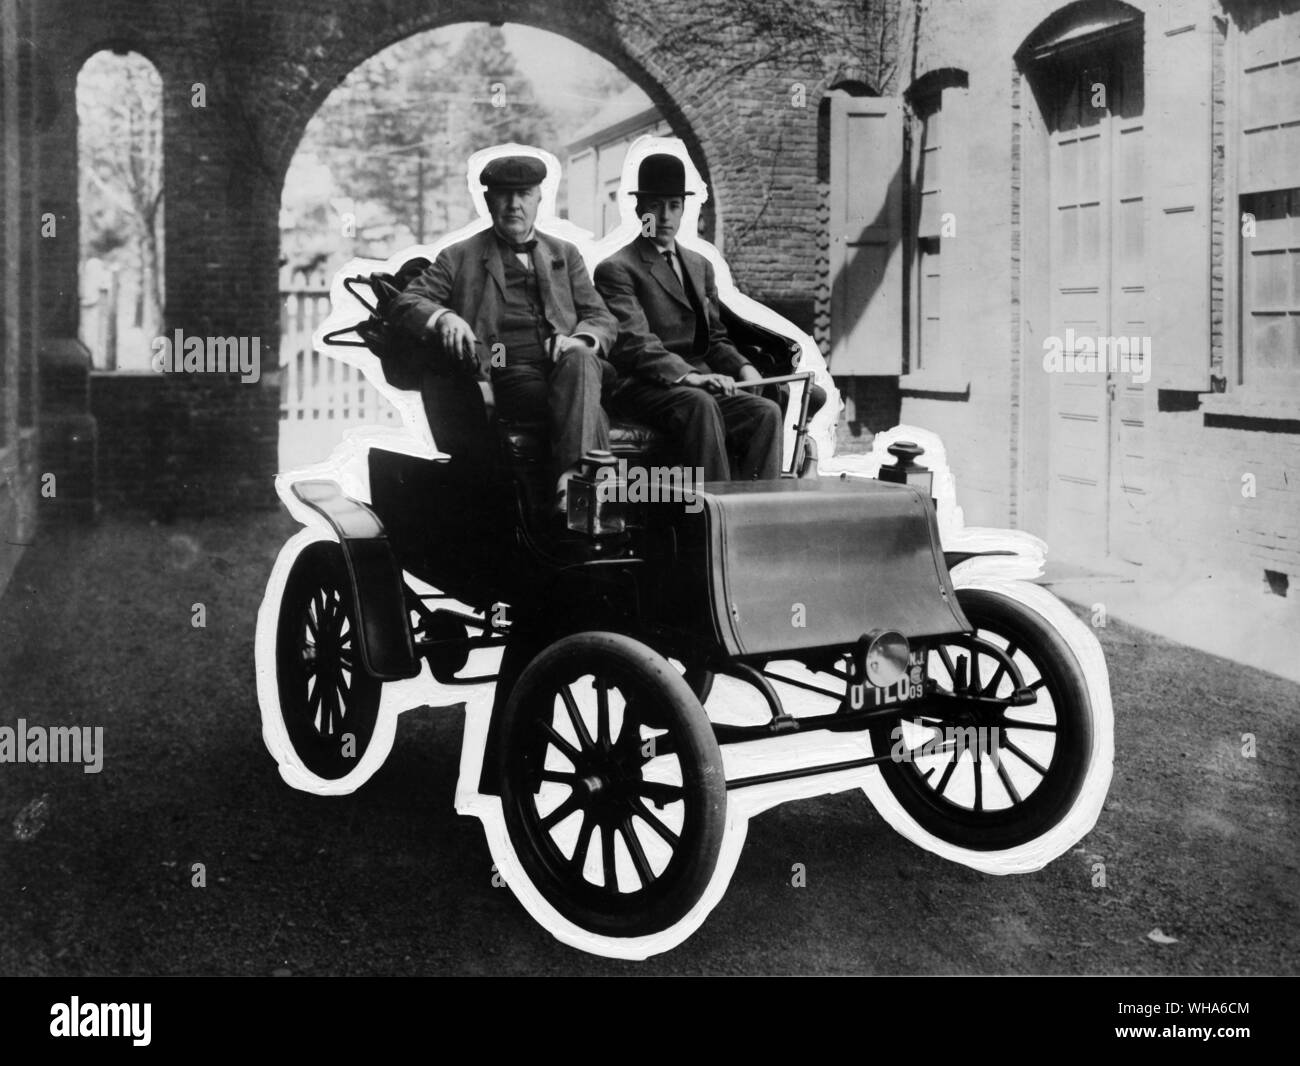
578,422
688,417
753,425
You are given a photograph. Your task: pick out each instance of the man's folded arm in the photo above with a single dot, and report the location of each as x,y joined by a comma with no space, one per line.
639,351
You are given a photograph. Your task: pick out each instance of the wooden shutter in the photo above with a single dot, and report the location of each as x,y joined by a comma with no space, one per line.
1268,112
1179,106
866,231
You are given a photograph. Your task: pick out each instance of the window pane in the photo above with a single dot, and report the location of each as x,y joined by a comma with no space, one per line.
1270,290
1273,336
1268,277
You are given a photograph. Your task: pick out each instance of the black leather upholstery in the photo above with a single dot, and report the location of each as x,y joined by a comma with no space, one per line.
525,442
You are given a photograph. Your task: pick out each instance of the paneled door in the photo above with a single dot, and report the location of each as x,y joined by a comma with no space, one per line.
1096,175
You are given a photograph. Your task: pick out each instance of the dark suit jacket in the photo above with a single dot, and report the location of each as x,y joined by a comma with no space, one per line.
468,277
656,323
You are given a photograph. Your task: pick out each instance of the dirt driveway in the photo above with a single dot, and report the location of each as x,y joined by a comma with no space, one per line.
1197,841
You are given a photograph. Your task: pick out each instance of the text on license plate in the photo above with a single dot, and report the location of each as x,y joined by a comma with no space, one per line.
908,687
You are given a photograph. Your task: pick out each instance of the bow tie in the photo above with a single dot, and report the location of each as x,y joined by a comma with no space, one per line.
521,247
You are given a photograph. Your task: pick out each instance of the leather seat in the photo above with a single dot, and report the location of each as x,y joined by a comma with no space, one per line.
525,443
526,451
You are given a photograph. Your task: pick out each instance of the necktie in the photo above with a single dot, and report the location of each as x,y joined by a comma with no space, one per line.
701,328
668,258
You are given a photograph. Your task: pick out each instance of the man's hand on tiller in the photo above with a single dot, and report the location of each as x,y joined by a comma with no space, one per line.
718,384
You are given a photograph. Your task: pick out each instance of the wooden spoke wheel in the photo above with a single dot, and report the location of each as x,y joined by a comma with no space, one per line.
990,770
611,784
328,703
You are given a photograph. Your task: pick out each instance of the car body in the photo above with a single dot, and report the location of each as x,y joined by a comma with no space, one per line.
981,708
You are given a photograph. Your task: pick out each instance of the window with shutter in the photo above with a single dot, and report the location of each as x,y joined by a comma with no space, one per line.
1266,92
1270,290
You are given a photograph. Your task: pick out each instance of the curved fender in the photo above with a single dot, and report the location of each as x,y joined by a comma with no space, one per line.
955,559
378,593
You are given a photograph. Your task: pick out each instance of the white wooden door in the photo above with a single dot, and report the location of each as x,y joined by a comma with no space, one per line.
1096,199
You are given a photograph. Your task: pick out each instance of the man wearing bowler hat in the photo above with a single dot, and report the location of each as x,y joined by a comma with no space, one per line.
518,304
679,367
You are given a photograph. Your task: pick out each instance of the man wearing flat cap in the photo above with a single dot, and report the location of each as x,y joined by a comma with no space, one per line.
679,367
518,304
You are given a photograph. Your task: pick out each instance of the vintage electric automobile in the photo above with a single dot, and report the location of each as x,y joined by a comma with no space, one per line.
985,725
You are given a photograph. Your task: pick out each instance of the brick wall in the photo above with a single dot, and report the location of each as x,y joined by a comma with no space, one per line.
19,322
184,445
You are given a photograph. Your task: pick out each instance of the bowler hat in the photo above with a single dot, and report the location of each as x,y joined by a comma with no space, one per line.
661,175
513,172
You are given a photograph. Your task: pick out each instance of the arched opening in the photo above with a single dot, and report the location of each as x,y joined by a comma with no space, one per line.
381,167
120,198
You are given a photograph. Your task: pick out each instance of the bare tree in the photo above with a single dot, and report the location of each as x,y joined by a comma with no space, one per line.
119,111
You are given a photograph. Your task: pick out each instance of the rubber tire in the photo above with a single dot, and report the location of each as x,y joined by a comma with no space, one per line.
621,658
1055,796
808,468
319,566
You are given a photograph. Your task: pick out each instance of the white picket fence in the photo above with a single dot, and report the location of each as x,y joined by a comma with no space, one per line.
320,397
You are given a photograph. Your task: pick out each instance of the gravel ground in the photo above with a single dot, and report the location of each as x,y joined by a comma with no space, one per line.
1197,841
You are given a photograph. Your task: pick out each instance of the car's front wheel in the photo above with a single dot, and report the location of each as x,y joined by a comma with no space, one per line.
1014,757
612,785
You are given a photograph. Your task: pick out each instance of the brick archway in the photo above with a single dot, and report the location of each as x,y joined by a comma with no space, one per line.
725,81
600,38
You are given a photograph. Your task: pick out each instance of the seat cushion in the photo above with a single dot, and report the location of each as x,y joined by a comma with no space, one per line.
633,440
526,445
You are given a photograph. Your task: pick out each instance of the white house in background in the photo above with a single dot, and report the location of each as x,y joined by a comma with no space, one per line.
594,158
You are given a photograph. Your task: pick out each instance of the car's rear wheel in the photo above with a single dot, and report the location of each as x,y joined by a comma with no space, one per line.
327,702
612,785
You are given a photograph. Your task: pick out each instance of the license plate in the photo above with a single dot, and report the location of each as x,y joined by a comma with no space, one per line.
911,686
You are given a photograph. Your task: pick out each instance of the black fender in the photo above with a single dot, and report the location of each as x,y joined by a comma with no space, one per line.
954,559
378,592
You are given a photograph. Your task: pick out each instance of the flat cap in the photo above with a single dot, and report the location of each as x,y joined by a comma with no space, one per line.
513,172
